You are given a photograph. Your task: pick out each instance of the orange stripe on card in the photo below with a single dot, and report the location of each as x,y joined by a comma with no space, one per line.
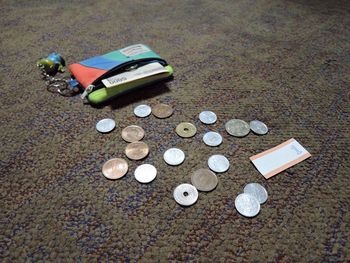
272,149
287,165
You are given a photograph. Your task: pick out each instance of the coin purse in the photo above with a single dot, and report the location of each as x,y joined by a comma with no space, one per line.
109,75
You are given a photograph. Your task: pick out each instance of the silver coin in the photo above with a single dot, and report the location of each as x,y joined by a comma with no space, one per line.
258,127
185,194
207,117
142,111
256,190
105,125
237,128
218,163
247,205
212,139
174,156
145,173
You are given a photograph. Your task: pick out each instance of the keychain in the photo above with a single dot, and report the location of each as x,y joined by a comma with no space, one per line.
50,66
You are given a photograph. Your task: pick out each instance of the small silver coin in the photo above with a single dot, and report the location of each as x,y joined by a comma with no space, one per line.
218,163
142,111
207,117
174,156
256,190
105,125
212,139
145,173
258,127
247,205
237,128
185,194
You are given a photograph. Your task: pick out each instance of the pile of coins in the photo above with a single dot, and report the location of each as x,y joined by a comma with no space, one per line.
205,180
248,203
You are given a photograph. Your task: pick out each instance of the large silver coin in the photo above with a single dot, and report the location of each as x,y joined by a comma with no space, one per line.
105,125
212,139
238,128
204,180
174,156
185,194
218,163
258,127
145,173
207,117
142,111
256,190
247,205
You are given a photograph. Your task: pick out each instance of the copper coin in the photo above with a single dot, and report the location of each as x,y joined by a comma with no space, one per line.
115,168
136,150
162,111
133,133
204,180
186,129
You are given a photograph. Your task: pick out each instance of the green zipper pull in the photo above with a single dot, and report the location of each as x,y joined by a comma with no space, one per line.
86,92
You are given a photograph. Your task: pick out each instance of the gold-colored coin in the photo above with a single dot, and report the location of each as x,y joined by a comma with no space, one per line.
136,150
162,111
115,168
204,180
133,133
186,129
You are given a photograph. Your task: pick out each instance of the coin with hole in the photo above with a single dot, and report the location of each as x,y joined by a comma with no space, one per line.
186,130
185,194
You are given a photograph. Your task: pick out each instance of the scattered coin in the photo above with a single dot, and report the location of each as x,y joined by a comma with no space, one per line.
247,205
115,168
218,163
238,128
207,117
256,190
212,139
258,127
136,150
174,156
105,125
145,173
162,111
204,180
186,129
185,194
142,111
133,133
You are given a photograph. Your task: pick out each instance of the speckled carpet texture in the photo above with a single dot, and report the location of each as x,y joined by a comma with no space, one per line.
284,62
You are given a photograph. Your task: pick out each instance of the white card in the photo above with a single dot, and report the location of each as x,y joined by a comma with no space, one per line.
134,50
279,158
139,73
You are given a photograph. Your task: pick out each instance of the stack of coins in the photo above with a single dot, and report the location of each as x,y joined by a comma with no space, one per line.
248,203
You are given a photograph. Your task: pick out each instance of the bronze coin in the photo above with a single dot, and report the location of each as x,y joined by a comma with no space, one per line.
115,168
132,133
162,111
204,180
136,150
186,129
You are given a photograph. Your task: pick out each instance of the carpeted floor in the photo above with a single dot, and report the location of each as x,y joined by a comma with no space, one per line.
286,63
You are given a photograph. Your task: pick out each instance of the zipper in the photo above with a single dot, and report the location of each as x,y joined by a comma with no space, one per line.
86,92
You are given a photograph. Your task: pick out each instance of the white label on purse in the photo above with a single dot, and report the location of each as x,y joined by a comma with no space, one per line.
279,158
134,50
139,73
